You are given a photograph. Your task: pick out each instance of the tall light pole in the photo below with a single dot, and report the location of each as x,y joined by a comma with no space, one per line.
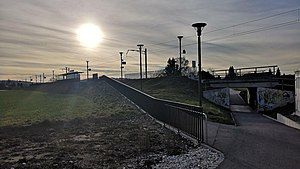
146,66
180,38
199,27
121,53
141,70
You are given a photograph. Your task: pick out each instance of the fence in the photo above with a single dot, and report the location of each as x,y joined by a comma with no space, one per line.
297,92
185,118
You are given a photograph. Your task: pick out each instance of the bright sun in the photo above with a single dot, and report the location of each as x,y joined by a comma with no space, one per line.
89,35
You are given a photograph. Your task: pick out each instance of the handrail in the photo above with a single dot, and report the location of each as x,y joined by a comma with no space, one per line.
205,116
184,117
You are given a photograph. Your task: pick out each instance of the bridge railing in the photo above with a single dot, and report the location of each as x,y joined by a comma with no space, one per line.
185,118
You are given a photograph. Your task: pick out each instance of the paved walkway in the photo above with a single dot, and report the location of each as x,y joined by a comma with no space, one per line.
257,143
237,104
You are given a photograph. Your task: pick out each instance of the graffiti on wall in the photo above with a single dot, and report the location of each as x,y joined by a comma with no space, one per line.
218,96
269,99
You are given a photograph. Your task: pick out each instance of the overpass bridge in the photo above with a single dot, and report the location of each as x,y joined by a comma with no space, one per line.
242,83
251,85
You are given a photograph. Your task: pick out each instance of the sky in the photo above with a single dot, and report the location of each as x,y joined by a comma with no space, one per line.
38,36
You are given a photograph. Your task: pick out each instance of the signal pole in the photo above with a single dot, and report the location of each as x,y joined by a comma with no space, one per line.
52,75
121,53
87,70
141,70
146,63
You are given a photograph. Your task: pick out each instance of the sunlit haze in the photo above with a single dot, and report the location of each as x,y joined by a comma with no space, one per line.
38,36
89,35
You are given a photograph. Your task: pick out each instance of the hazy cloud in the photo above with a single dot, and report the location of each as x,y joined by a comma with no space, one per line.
38,36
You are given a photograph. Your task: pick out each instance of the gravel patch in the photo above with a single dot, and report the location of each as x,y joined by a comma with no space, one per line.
201,157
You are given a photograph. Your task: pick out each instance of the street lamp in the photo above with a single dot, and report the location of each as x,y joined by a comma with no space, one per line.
199,27
180,38
141,71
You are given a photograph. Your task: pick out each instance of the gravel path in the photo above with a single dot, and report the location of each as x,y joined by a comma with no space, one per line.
201,157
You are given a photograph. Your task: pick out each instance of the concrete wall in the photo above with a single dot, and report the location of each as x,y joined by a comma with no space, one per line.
297,92
287,121
269,99
218,96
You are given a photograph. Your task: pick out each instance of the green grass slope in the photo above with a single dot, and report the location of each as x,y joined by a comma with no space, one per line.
180,89
19,107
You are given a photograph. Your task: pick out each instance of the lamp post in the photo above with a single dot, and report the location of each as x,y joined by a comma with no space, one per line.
199,27
141,71
180,38
146,66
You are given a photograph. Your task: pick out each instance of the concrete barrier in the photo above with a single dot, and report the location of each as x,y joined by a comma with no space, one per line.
287,121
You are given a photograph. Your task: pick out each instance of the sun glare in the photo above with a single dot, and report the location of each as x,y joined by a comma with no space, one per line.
89,35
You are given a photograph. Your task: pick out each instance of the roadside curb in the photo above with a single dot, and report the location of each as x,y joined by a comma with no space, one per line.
233,119
280,122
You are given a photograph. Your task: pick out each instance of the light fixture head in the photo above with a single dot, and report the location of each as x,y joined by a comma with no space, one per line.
180,37
199,25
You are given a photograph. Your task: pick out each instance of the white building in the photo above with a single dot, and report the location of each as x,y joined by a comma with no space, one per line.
297,92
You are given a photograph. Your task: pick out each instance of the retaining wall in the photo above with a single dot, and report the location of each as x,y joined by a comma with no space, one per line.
269,99
220,97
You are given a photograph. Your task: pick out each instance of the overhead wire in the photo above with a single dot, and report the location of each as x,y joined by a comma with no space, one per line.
233,26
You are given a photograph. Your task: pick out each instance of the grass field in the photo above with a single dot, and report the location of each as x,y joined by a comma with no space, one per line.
181,89
86,125
19,107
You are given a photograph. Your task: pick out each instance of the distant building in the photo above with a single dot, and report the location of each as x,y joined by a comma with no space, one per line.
95,76
71,75
297,92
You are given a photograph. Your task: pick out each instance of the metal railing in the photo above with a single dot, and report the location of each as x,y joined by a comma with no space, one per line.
185,118
188,121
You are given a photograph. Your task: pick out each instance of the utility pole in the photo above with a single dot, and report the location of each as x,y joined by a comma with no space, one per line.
121,53
35,78
141,71
40,78
180,38
146,71
199,27
87,70
43,77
